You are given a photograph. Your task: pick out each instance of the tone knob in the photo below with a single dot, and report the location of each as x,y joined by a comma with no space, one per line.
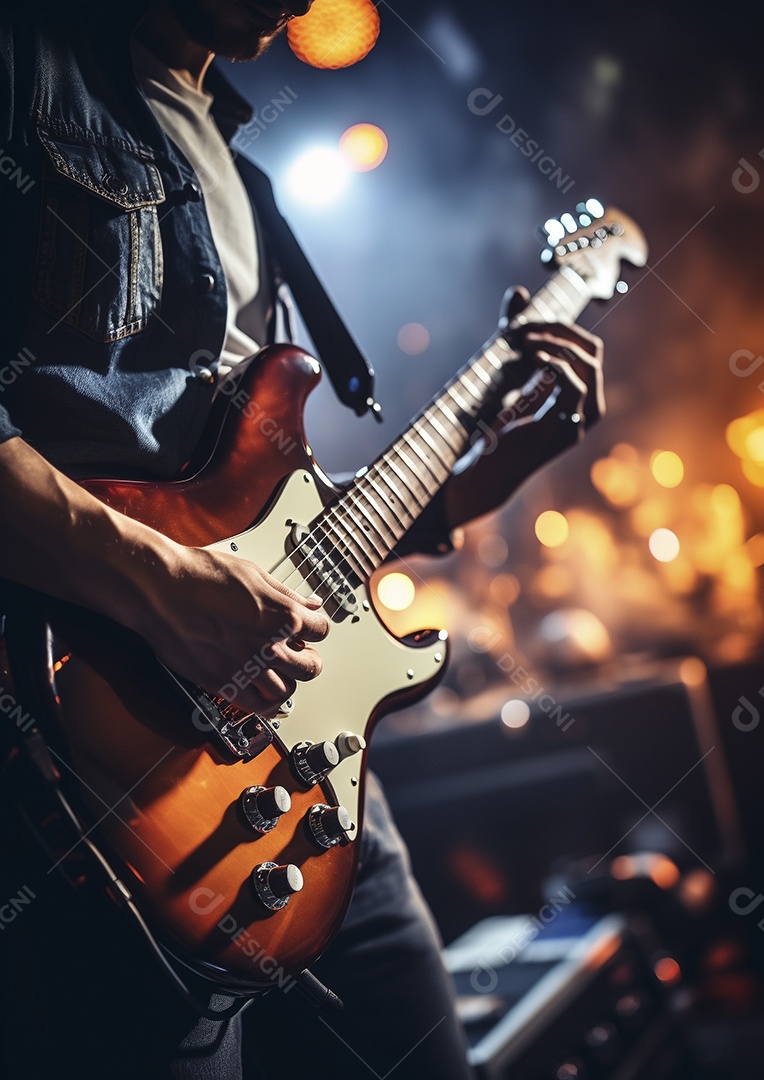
274,884
263,806
348,744
329,825
313,760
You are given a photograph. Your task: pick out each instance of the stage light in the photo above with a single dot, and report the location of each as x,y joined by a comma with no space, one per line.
364,147
396,591
551,528
515,713
741,434
664,545
667,468
667,970
318,177
334,33
413,339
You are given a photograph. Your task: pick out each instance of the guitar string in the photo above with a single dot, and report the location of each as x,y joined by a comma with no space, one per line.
332,514
360,486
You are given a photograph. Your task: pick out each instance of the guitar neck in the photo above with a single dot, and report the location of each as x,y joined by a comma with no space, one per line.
380,506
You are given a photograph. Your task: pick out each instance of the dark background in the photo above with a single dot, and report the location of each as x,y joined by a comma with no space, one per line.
650,108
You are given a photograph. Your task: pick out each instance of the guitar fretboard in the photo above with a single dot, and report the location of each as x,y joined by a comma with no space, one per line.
364,524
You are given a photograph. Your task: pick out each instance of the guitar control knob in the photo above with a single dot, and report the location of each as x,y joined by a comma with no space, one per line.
263,806
274,884
312,761
348,744
329,825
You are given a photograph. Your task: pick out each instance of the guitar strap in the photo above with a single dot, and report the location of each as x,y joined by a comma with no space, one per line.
351,374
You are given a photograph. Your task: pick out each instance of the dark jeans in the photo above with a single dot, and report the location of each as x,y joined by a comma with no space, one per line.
82,1000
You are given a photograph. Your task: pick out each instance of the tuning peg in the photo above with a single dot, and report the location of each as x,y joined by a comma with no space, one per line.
546,255
569,222
554,231
584,220
595,208
621,287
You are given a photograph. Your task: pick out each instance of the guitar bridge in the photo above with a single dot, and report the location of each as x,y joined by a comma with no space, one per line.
244,735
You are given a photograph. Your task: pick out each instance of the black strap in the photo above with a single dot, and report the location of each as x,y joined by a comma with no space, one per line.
351,374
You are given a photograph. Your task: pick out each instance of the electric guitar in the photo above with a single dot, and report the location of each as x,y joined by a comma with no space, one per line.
235,837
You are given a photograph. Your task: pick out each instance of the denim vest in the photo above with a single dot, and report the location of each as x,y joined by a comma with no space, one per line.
116,311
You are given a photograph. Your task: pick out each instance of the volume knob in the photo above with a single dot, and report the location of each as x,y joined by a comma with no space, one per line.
263,806
313,760
329,825
348,744
274,884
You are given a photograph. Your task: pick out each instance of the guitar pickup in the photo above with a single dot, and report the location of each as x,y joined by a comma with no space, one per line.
328,579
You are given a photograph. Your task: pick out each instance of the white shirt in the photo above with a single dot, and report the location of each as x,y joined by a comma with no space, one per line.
184,114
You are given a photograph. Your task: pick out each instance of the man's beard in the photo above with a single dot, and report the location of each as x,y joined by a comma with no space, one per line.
229,29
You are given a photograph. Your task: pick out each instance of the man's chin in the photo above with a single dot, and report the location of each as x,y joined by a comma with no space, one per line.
235,31
242,51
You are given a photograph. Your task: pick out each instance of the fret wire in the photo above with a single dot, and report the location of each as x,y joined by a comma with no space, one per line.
423,457
483,376
351,538
462,406
446,409
563,299
352,490
380,513
582,290
423,434
381,493
347,542
465,382
494,360
404,480
443,432
413,472
538,302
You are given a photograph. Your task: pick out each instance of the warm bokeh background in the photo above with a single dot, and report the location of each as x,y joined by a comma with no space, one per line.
654,108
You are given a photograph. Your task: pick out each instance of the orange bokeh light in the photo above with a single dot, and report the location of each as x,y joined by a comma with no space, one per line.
364,147
334,33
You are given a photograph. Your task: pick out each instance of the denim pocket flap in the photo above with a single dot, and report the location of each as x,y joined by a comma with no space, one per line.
121,173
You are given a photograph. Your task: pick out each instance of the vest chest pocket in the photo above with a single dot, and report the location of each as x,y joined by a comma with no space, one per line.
99,256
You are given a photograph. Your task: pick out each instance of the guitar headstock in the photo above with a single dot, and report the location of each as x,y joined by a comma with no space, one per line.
593,242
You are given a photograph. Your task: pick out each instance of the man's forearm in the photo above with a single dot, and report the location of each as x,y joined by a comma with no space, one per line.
59,539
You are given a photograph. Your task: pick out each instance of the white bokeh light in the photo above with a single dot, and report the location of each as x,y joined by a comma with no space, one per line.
318,177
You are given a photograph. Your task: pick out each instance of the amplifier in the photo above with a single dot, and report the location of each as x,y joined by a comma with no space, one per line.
566,996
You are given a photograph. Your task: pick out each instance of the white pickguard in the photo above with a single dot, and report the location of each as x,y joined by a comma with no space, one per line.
362,662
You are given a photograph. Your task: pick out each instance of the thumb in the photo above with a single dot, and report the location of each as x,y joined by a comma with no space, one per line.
514,301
